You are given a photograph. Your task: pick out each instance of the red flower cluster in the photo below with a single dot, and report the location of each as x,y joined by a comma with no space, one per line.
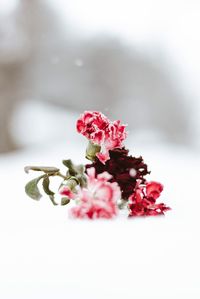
115,180
143,200
127,171
97,128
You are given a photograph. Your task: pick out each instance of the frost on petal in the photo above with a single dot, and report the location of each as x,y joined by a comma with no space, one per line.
91,172
103,157
105,176
99,199
104,193
98,137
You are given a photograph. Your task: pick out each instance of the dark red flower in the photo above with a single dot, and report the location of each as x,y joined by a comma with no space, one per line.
125,170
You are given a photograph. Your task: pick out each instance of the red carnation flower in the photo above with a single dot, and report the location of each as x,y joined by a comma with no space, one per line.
99,130
143,200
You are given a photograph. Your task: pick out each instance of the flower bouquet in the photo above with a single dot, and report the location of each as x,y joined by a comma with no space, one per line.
113,181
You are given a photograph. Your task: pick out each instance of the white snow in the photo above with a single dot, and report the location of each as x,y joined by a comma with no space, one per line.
44,254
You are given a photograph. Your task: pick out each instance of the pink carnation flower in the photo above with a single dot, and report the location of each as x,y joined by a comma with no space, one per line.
96,127
99,199
143,201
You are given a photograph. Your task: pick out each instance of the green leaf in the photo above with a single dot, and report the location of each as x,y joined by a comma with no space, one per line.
32,189
45,184
69,164
65,201
46,169
73,170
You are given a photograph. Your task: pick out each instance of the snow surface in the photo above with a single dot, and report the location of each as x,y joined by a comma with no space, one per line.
44,254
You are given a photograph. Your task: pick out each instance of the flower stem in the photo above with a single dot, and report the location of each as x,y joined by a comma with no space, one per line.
61,175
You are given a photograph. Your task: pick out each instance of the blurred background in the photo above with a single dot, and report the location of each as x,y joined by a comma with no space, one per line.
133,60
